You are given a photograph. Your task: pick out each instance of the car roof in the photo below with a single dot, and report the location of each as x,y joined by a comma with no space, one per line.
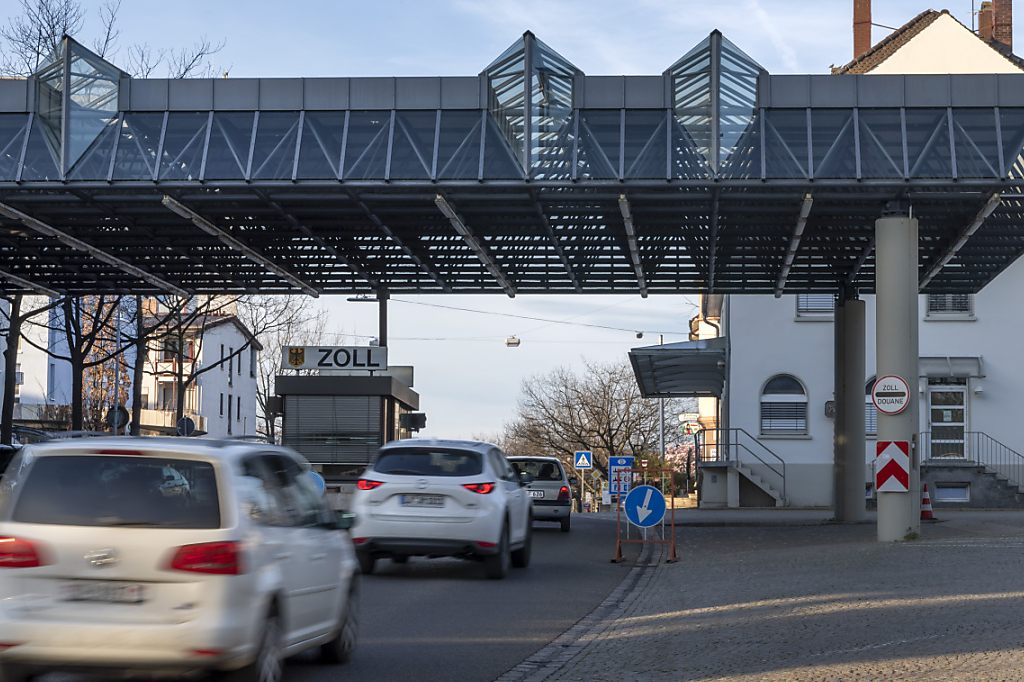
538,458
213,448
475,445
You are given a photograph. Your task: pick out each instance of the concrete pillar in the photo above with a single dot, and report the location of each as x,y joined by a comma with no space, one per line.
896,286
849,466
732,489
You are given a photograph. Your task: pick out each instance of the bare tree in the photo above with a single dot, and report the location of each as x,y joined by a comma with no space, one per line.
600,410
281,321
13,320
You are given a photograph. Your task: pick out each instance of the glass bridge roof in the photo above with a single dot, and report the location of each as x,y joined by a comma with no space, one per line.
529,178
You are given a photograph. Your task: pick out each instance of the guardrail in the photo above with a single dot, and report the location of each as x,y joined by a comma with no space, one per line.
737,446
978,447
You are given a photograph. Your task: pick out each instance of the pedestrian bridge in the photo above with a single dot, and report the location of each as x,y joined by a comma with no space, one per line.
530,177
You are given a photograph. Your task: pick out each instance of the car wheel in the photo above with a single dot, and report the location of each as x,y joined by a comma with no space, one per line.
268,665
339,649
496,565
366,562
521,556
565,524
400,559
12,673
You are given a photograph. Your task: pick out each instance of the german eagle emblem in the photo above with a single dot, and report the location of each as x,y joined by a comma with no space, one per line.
297,357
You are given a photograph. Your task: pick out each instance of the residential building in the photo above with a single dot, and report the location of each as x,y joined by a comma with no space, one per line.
780,371
217,363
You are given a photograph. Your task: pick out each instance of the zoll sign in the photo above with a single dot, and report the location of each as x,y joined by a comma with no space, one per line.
335,357
891,394
892,466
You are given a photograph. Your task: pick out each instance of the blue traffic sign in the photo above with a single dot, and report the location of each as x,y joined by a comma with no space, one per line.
645,506
584,459
318,481
622,462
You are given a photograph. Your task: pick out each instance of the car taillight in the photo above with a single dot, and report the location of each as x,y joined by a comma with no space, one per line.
367,484
215,558
19,553
563,494
482,488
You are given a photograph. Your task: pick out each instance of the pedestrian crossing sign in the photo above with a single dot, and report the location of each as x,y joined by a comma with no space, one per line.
584,459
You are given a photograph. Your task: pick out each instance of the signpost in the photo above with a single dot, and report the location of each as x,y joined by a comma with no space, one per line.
620,474
370,358
646,507
891,394
583,460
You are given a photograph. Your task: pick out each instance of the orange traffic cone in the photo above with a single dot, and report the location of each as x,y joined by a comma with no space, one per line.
926,505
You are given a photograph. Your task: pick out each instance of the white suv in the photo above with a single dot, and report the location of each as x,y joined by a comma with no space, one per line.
442,498
169,555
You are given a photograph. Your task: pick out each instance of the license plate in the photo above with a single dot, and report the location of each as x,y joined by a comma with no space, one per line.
103,591
535,493
422,500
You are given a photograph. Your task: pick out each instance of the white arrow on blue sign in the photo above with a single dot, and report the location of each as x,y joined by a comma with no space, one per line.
645,506
584,459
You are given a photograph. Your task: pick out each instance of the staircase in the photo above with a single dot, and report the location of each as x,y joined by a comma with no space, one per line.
990,472
754,475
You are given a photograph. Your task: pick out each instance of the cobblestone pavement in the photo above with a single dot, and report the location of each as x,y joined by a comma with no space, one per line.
818,602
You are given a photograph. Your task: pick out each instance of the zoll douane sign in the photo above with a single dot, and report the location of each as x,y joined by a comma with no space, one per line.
335,357
892,466
891,394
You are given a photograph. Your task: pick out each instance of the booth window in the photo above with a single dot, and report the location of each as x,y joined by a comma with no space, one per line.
783,406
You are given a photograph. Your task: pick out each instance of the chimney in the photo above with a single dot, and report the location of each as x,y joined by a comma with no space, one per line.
861,27
1002,22
985,21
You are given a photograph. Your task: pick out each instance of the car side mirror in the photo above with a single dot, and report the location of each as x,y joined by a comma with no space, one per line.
345,520
574,481
525,479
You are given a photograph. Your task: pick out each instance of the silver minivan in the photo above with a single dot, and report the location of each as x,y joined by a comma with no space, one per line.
550,488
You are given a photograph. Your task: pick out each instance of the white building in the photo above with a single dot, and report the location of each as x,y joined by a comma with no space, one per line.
780,368
220,353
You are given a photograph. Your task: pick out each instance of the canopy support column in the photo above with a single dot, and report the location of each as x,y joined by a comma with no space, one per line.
849,464
896,342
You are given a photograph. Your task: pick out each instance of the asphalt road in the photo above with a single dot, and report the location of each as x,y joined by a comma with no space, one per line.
441,619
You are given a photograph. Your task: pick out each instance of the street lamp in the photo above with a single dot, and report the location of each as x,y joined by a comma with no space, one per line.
382,314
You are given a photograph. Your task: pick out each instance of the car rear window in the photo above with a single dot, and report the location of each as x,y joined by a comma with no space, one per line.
428,462
540,469
131,491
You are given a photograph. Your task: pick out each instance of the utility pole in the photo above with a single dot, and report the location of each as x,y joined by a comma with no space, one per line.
661,410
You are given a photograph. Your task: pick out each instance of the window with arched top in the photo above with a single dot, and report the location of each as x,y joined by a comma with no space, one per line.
870,411
783,406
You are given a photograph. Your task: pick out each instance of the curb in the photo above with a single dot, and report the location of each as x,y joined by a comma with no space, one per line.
554,657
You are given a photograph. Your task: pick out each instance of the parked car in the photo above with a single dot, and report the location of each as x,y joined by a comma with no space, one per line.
169,555
442,498
550,489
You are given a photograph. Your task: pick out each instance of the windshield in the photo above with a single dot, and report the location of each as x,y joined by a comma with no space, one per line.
428,462
105,490
539,469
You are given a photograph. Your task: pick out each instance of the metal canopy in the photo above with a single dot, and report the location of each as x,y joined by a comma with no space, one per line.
688,368
529,178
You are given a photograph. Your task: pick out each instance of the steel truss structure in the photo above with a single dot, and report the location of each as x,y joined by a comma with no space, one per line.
529,178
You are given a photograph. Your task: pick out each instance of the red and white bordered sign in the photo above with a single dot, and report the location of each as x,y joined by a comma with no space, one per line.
891,394
892,466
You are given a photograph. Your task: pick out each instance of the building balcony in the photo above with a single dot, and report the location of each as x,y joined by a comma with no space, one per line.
163,421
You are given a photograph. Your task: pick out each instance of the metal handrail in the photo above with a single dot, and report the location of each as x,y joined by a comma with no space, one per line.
980,448
731,443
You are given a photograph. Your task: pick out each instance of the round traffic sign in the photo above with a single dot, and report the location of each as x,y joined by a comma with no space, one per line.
644,506
186,426
891,394
318,481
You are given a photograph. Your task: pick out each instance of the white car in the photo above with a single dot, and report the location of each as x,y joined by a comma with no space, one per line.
442,498
169,555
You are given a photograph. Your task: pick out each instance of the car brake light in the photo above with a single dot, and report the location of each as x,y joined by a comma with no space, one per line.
19,553
481,488
214,558
486,545
121,452
360,541
563,494
367,484
4,646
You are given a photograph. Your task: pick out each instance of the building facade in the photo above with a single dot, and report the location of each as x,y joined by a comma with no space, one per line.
781,373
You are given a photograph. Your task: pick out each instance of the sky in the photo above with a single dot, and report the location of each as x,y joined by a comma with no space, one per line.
468,379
